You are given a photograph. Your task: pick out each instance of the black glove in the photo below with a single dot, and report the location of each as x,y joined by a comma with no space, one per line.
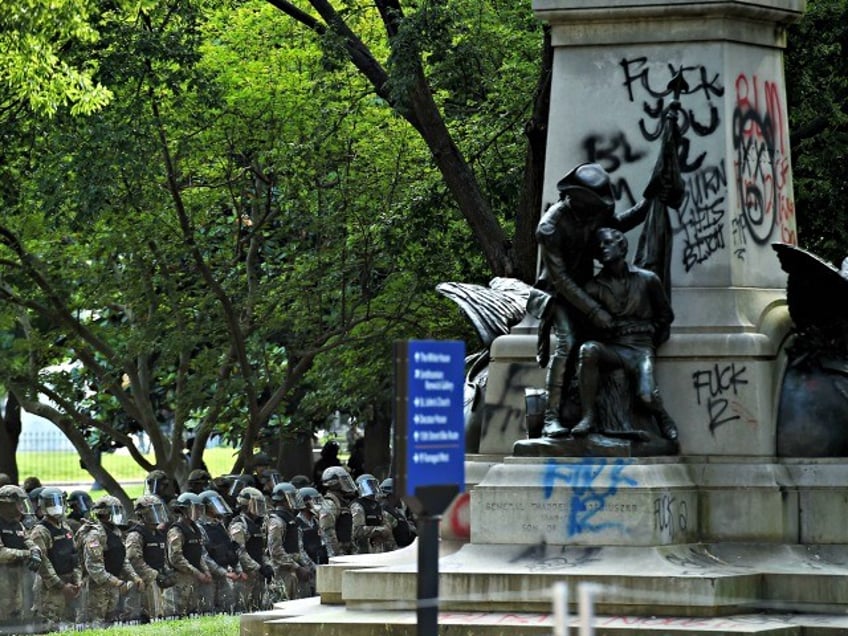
266,571
34,561
166,579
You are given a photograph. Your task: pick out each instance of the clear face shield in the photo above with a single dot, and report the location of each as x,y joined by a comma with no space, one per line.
298,504
53,505
117,516
316,503
369,488
256,506
26,508
155,515
217,505
196,511
346,483
158,486
82,505
237,486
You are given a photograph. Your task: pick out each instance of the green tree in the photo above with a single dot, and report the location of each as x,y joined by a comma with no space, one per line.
817,91
35,67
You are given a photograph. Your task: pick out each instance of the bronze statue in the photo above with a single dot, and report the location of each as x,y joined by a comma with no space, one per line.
641,316
812,419
566,234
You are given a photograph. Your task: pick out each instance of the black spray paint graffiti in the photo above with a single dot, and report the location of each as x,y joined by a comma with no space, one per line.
613,151
670,515
714,388
701,217
654,93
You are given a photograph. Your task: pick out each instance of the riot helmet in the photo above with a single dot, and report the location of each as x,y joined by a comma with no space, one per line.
109,509
300,481
368,486
336,478
52,502
286,495
388,486
269,478
215,504
198,481
14,498
80,503
312,499
252,501
151,510
189,505
158,483
239,483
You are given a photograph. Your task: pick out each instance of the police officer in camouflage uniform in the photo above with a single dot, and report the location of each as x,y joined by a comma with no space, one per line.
221,552
60,577
293,569
372,526
80,504
335,518
17,555
107,573
403,527
145,542
186,555
310,530
247,529
158,483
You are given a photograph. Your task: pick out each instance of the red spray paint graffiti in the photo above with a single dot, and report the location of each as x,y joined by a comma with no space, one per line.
762,165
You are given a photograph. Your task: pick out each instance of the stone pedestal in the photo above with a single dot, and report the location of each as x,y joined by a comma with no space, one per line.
720,371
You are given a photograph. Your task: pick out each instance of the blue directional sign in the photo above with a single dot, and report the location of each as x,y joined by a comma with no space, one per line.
431,408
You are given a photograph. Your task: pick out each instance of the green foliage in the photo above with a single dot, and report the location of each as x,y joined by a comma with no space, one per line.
34,62
817,89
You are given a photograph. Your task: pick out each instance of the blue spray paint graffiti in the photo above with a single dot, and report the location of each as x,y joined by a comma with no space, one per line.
592,482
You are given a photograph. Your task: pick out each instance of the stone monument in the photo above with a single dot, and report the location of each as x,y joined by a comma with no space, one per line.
726,530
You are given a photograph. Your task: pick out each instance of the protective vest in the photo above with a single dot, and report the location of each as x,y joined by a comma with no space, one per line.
290,541
373,511
12,534
192,542
114,554
62,554
153,550
312,544
402,531
220,546
255,539
344,520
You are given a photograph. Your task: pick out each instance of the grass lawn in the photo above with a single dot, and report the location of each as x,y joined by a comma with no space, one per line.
63,467
222,625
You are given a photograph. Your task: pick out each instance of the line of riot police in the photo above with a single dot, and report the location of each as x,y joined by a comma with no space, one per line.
229,547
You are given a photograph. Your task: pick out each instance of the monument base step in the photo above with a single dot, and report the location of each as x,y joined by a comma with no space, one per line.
308,617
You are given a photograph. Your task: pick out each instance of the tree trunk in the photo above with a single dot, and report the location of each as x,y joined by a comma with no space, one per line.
461,181
530,205
10,433
378,433
294,454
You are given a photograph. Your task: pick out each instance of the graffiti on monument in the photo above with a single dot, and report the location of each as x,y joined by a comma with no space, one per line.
701,217
761,165
671,515
717,389
592,483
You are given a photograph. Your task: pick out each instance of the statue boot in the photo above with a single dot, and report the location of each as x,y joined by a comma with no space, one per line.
554,383
586,425
668,428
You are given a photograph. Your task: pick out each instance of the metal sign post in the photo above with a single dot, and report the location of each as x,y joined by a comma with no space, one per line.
429,444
